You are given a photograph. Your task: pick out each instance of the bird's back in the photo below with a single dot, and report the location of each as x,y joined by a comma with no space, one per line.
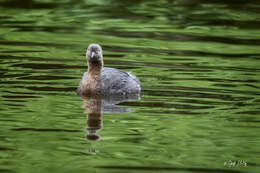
117,81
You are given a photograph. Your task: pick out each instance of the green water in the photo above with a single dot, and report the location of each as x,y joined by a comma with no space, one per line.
198,62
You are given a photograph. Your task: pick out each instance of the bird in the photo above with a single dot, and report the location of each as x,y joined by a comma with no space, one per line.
105,81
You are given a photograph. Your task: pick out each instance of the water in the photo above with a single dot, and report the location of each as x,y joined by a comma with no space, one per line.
198,62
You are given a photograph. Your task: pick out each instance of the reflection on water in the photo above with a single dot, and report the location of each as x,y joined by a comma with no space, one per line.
96,106
94,117
198,63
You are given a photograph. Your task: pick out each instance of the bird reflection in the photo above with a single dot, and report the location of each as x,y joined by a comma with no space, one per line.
94,119
95,106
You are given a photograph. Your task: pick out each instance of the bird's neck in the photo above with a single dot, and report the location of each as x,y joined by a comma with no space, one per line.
94,72
93,84
94,69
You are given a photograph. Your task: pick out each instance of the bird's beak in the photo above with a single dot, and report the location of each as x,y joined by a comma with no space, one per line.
93,55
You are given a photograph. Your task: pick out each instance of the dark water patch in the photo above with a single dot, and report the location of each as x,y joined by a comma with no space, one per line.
144,168
185,67
166,78
48,66
257,101
4,17
189,70
253,112
44,130
122,67
46,78
51,29
12,57
3,75
123,64
15,92
22,51
7,149
63,66
164,105
231,3
122,10
180,52
15,101
253,86
183,37
136,140
4,62
22,97
52,89
7,171
23,43
234,23
197,101
6,20
225,85
241,104
29,4
246,119
220,80
25,83
229,108
13,105
174,112
188,94
186,88
178,59
112,55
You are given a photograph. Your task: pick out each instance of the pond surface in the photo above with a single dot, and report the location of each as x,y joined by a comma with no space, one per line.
199,65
